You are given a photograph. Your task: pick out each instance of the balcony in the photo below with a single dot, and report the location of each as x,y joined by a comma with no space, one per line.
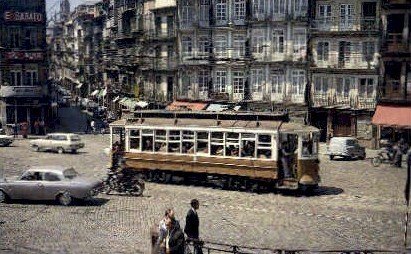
348,61
165,64
21,91
350,24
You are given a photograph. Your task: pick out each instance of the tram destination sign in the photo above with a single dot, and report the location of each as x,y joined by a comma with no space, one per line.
23,16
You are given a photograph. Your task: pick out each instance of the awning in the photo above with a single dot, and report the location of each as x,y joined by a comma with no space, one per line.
395,116
95,92
182,105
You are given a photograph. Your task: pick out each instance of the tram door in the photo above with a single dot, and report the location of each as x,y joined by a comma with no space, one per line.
288,152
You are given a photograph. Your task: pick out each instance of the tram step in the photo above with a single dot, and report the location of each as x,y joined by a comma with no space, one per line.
288,184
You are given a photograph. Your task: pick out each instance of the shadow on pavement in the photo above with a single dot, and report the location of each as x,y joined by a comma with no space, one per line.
90,202
320,191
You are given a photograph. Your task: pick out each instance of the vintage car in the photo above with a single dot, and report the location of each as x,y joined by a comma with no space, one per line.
346,147
5,140
60,142
62,184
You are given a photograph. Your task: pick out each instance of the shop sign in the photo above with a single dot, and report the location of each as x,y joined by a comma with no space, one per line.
18,55
23,16
21,91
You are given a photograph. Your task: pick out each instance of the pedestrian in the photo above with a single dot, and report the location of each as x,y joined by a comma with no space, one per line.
42,127
397,156
162,230
192,226
24,129
88,124
174,242
15,129
36,127
76,101
286,159
93,126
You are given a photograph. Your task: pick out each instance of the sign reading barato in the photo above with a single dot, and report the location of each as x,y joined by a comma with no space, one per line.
23,16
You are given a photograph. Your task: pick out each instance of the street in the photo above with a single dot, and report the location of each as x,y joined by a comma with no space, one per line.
357,206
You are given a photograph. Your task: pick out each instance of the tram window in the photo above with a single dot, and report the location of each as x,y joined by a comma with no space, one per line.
202,142
174,142
135,139
248,145
188,142
232,148
309,145
147,143
217,143
264,147
160,141
147,132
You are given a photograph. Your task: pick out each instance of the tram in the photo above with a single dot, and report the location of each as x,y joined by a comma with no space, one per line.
240,151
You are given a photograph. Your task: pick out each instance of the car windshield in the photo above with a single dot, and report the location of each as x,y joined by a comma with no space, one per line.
75,138
70,173
351,142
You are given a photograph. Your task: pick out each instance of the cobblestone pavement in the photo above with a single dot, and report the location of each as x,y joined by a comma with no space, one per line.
357,206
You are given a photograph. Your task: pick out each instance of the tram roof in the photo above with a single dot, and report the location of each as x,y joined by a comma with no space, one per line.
210,123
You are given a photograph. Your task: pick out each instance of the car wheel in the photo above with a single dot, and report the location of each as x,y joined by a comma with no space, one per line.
3,197
331,157
73,151
36,148
60,150
64,199
376,161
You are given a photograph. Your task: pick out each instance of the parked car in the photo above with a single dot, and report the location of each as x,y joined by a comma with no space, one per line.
346,147
59,142
5,140
62,184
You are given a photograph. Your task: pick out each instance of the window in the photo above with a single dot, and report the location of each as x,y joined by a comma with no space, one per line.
204,10
203,79
238,82
160,144
300,41
264,147
309,145
31,176
202,142
188,142
278,41
258,41
277,83
203,46
368,50
15,37
321,85
248,145
170,26
278,7
186,12
185,85
187,46
170,52
31,78
31,37
134,139
323,49
346,16
300,7
232,148
147,137
174,144
157,25
220,46
51,177
259,8
239,9
298,82
239,46
217,143
366,88
16,78
344,86
221,79
221,10
324,16
257,80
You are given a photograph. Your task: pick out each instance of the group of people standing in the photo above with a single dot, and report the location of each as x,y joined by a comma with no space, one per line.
169,237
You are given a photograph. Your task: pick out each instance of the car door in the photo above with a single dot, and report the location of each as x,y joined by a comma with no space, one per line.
53,184
29,186
46,142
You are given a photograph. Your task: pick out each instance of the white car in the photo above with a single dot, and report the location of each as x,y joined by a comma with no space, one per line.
346,147
5,140
59,142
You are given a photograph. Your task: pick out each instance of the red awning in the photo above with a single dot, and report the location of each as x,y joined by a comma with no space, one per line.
396,116
182,105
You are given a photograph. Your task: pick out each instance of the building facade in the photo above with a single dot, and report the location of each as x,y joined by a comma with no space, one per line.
24,92
344,70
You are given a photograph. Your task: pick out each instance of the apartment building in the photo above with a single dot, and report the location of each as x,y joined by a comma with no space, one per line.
24,93
393,111
251,52
344,70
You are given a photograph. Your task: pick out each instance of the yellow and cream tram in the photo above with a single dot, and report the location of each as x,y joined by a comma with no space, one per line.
239,152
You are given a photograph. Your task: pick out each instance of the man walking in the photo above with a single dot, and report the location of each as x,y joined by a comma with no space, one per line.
192,226
174,242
